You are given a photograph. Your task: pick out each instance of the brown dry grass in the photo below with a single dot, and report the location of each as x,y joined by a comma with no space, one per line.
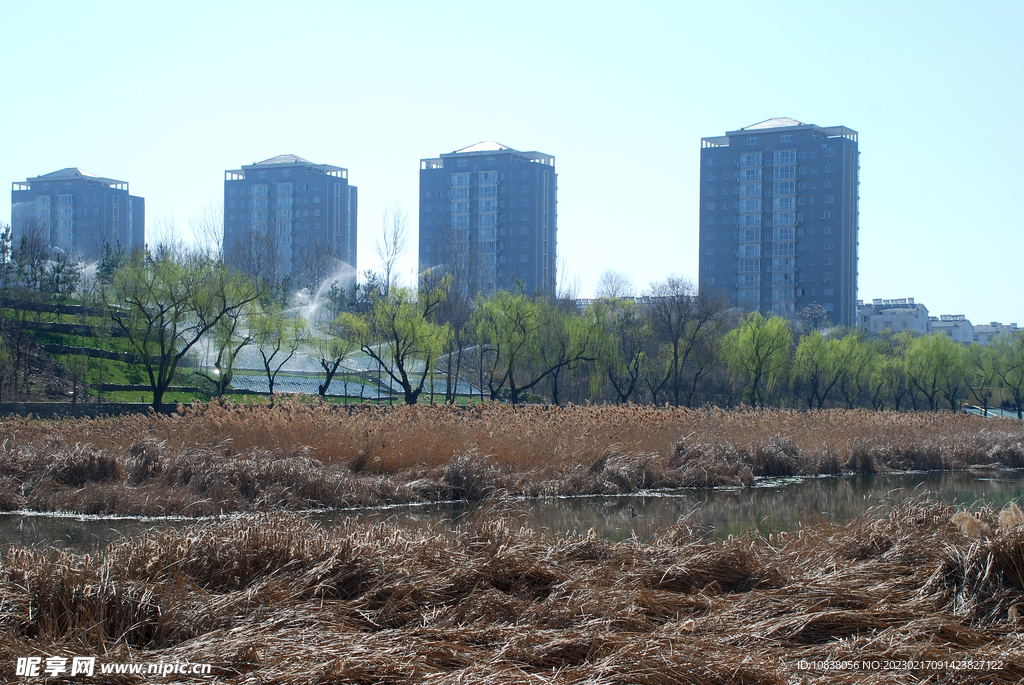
226,457
275,599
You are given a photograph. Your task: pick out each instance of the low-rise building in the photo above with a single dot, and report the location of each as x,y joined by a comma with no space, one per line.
986,333
956,326
902,314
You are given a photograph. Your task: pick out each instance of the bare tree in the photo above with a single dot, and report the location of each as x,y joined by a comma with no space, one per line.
207,227
569,287
393,242
255,254
615,284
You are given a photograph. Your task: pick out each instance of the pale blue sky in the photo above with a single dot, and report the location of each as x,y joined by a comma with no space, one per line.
167,96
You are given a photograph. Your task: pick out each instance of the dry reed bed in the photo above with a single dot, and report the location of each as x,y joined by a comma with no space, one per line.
225,457
275,599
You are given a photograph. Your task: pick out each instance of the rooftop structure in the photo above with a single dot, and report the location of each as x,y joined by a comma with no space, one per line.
896,315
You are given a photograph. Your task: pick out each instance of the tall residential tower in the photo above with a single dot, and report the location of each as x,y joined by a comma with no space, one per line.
287,216
779,218
77,212
488,216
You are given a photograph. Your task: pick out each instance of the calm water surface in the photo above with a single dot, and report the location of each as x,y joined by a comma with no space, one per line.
772,506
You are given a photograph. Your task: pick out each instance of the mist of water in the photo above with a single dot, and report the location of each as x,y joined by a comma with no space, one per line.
308,304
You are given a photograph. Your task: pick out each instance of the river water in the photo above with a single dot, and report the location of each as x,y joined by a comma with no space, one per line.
773,505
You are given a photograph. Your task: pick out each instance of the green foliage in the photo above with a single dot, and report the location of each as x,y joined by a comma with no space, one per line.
165,305
399,335
758,350
935,367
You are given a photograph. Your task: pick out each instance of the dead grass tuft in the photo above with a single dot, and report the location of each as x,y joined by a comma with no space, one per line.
223,457
275,599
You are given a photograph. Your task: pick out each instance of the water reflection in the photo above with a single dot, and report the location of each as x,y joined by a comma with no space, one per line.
774,506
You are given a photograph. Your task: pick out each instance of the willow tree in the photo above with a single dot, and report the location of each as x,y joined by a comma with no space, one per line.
332,344
277,338
399,335
529,340
758,350
165,305
1009,364
627,331
933,364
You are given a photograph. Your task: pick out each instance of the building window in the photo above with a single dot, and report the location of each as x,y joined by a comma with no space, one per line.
286,172
711,161
827,292
828,230
752,141
710,177
523,258
316,212
524,217
829,199
526,229
785,157
489,161
710,206
827,306
463,162
830,184
830,152
829,168
261,174
786,138
711,191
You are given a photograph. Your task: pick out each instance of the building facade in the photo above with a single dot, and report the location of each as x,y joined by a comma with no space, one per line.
779,218
289,217
896,315
489,217
985,334
955,326
78,213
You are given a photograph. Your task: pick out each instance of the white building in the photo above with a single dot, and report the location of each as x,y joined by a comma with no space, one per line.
985,333
956,326
897,315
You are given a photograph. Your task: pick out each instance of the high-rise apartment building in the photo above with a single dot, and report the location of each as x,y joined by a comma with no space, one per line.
779,218
287,216
488,216
78,213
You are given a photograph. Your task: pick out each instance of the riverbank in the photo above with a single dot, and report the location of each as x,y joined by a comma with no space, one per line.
220,458
275,599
